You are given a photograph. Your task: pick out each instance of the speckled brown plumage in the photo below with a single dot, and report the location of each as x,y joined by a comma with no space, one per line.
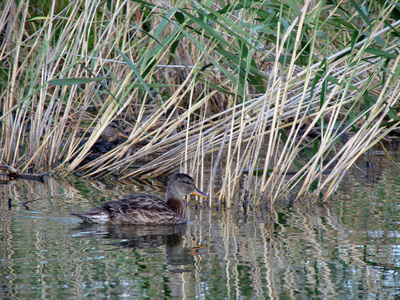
146,209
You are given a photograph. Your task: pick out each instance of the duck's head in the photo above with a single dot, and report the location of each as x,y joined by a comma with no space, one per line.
112,132
180,185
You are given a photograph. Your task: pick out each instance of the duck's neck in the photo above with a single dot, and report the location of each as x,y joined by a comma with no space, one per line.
177,207
174,202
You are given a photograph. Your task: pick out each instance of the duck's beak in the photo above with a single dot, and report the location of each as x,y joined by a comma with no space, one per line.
123,135
197,192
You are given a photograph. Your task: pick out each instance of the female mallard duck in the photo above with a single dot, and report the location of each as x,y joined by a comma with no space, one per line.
144,209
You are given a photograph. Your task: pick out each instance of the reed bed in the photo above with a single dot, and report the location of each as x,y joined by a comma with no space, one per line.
245,82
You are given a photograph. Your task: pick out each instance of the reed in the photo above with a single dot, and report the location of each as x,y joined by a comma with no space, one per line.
248,81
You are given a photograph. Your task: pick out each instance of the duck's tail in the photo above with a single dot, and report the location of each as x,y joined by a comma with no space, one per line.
95,215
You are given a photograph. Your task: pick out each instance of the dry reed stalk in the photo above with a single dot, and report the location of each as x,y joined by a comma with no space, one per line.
96,44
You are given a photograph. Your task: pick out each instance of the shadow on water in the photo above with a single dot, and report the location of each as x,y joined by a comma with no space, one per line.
348,248
144,237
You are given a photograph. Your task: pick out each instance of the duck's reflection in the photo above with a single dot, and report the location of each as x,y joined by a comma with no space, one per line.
145,237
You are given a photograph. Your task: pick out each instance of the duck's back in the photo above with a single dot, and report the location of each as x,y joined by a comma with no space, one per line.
133,209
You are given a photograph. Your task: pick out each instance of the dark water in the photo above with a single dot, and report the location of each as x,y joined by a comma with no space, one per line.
348,249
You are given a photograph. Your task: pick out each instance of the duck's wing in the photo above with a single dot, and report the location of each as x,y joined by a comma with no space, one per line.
135,202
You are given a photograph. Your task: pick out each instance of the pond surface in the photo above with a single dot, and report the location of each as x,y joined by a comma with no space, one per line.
348,249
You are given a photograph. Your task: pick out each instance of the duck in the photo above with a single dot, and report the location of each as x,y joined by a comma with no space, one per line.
111,137
145,209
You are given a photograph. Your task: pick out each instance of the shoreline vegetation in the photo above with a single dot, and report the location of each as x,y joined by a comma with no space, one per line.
244,84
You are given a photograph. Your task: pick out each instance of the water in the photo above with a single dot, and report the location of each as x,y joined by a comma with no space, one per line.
348,249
